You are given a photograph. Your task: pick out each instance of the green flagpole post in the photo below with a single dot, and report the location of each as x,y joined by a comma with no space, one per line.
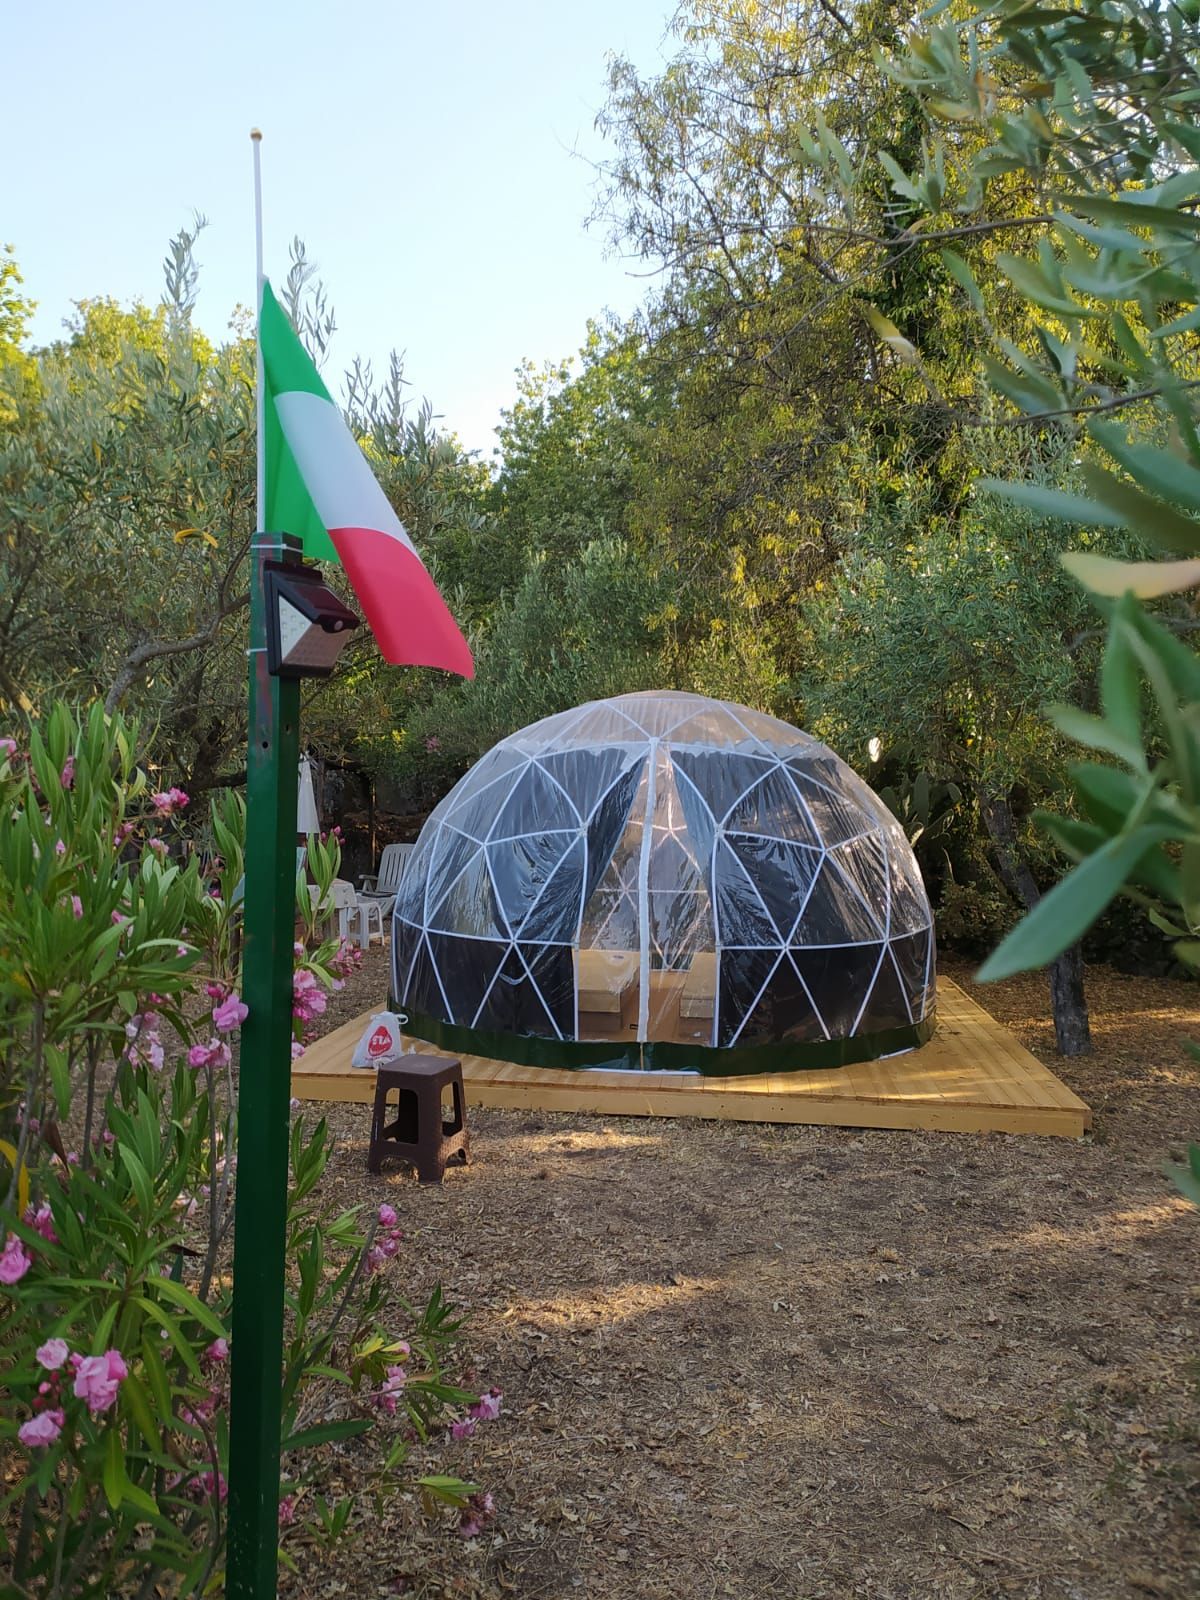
264,1085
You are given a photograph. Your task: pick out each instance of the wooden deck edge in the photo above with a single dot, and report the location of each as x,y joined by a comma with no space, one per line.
998,1086
911,1114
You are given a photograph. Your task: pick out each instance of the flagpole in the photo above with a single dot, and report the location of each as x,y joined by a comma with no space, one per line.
264,1084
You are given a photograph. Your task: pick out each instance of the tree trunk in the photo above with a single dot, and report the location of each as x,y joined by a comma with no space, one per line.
1068,1002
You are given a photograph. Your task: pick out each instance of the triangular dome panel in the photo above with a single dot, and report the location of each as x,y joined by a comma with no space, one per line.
839,981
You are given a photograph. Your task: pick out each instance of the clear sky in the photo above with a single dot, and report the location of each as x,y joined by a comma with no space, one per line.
425,153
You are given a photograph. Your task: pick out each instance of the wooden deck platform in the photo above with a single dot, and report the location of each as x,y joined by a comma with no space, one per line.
972,1077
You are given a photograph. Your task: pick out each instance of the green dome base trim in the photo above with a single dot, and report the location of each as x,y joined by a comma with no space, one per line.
664,1055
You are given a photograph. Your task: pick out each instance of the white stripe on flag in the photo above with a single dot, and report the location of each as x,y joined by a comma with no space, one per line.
335,471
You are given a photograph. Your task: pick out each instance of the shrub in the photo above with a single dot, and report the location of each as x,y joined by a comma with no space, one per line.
119,1010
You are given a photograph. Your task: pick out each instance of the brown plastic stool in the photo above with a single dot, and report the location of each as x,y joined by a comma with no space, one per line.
418,1134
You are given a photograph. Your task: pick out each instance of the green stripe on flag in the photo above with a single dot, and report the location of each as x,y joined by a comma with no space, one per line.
287,367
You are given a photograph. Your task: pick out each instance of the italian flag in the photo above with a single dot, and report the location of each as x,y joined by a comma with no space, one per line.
320,488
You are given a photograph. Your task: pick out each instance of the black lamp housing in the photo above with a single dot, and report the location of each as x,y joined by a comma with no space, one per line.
307,624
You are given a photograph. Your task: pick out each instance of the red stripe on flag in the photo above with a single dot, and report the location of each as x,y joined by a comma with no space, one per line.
407,615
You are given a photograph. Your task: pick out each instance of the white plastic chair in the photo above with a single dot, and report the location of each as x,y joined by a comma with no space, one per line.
369,911
345,905
382,885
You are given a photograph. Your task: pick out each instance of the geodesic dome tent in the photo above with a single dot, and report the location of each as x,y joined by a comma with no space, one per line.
664,881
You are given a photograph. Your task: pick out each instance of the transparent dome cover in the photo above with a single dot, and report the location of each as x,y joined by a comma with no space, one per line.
648,879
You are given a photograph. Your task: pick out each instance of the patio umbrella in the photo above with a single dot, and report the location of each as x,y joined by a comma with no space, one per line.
308,819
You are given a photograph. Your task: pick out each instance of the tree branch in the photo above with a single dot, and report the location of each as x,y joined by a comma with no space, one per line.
143,654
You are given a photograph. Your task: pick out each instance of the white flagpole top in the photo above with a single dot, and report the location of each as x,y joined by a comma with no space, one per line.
256,135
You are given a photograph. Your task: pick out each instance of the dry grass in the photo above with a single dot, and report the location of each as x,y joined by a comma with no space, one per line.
743,1360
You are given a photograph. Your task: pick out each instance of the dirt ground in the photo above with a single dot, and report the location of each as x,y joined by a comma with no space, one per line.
742,1360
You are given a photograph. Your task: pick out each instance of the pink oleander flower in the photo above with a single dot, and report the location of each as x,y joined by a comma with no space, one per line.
297,948
72,1158
97,1379
159,846
297,1049
15,1260
463,1429
293,1104
168,801
216,1053
42,1221
433,743
203,1411
487,1407
77,906
394,1381
230,1014
52,1354
217,1351
383,1249
8,748
60,848
287,1511
476,1514
387,1217
216,991
308,999
67,776
41,1430
118,917
121,834
207,1483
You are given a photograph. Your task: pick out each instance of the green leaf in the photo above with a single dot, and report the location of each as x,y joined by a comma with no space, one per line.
1185,748
1143,513
1026,391
1031,281
1179,660
325,1432
1097,733
156,1372
187,1302
1065,914
1162,472
140,1179
113,1473
1133,215
1120,681
1071,508
118,1490
136,1398
963,276
181,1344
443,1486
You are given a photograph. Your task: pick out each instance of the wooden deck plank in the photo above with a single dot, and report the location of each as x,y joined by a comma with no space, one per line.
973,1076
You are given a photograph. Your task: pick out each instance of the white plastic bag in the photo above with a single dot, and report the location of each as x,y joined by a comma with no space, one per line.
380,1045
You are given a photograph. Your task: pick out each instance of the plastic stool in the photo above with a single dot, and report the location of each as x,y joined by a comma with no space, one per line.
418,1133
